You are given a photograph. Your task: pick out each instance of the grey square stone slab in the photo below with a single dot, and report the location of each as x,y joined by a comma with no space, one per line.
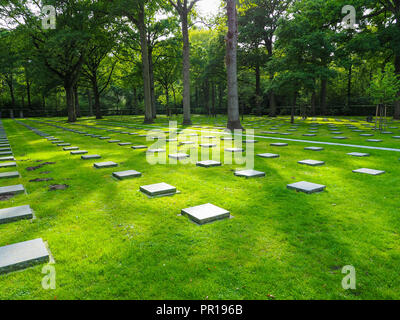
234,149
5,149
7,159
122,144
369,171
19,188
279,144
78,152
186,142
209,137
139,147
57,141
205,213
12,174
126,174
306,187
366,135
156,150
92,156
208,163
22,255
312,163
227,138
250,141
8,164
268,155
374,140
309,135
207,145
63,144
396,137
104,138
249,173
107,164
5,153
70,148
15,213
339,138
113,141
358,154
178,156
158,189
5,145
314,148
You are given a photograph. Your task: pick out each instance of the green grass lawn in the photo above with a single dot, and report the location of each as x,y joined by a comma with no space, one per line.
110,241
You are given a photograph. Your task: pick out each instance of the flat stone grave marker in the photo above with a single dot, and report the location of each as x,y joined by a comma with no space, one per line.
156,150
139,147
56,142
121,175
15,213
358,154
113,141
104,138
122,144
208,163
107,164
314,148
337,132
205,213
306,187
250,141
366,135
268,155
227,138
171,140
249,173
269,132
78,152
133,133
63,144
279,144
387,132
178,156
92,156
312,163
5,153
22,255
309,135
339,138
5,149
369,171
12,174
186,142
5,145
374,140
234,149
8,164
7,159
17,189
396,137
158,190
207,145
70,148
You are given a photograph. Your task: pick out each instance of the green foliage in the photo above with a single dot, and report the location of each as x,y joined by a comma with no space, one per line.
385,85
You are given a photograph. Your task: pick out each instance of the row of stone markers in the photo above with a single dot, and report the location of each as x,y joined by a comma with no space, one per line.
23,254
302,186
201,214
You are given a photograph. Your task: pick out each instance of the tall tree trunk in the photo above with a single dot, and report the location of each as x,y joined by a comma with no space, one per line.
324,83
10,82
96,95
396,114
69,92
76,102
167,102
213,99
90,102
151,73
135,100
231,67
258,97
186,68
293,108
313,102
28,90
349,86
148,117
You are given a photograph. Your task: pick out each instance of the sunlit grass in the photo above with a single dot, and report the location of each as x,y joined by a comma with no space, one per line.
110,241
